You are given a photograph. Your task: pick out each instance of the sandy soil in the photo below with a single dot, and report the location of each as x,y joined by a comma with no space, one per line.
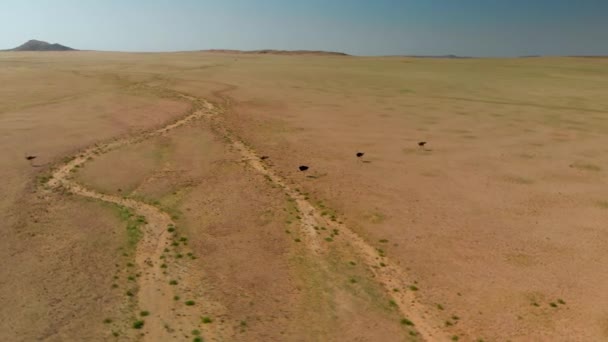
493,230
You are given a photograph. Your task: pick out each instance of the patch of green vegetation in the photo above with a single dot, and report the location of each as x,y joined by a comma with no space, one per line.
383,241
144,313
107,320
195,332
138,324
328,239
189,302
603,204
586,166
561,301
173,282
440,307
455,338
206,319
518,180
553,305
413,287
405,321
197,339
176,298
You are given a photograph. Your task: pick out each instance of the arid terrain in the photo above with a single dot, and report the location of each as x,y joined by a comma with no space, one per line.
165,202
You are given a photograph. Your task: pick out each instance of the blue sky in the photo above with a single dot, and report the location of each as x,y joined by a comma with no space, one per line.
363,27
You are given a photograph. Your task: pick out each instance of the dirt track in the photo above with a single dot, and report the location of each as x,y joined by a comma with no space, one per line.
154,289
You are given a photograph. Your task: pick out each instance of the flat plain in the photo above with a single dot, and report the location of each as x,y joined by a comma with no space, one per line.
149,213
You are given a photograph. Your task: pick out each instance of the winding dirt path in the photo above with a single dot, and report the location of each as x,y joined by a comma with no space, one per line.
155,294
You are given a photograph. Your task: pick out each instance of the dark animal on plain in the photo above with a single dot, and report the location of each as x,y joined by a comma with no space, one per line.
303,168
264,157
30,157
360,154
422,143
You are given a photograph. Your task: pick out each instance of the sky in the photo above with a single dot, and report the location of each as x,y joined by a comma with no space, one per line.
362,27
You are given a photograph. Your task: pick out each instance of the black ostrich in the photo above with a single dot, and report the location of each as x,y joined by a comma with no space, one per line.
303,167
264,157
30,157
360,154
422,143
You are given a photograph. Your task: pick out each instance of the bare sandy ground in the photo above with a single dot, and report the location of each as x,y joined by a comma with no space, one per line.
150,202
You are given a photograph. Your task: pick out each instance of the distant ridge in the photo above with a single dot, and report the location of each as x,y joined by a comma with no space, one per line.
439,56
279,52
38,45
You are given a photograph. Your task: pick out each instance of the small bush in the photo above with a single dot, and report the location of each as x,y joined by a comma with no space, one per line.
107,320
190,302
138,324
144,313
413,287
405,321
173,282
196,332
206,320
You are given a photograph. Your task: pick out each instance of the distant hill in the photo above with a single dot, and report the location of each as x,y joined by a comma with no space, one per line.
279,52
38,45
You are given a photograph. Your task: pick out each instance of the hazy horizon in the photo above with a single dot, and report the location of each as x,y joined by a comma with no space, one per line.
489,28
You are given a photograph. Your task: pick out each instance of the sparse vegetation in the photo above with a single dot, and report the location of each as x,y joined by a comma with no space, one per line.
138,324
405,321
144,313
206,320
190,302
